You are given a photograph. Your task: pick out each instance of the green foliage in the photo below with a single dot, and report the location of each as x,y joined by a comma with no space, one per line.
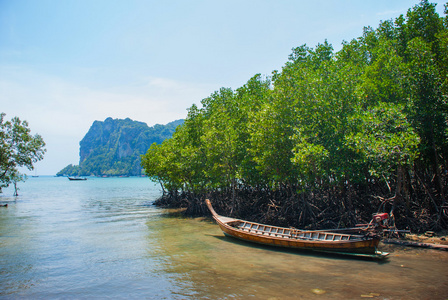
18,148
383,139
69,170
372,115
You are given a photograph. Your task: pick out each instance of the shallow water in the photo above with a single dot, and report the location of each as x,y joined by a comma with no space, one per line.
102,238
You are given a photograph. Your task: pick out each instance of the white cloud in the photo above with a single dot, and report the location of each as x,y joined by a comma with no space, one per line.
62,111
390,13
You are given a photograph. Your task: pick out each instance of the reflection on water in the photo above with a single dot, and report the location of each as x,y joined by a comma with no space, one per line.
79,240
210,265
103,239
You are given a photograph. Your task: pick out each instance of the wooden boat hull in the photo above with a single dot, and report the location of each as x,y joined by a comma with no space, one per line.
325,241
76,178
367,246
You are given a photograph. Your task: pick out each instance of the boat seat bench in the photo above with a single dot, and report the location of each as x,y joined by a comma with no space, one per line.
292,233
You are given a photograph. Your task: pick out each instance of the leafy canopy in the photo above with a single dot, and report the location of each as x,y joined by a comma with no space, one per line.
18,148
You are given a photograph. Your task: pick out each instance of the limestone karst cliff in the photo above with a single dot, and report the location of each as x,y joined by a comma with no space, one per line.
113,147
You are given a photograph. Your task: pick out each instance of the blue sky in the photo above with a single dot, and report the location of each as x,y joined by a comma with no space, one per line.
65,64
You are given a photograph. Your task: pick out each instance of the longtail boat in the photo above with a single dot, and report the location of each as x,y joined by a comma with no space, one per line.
351,241
76,178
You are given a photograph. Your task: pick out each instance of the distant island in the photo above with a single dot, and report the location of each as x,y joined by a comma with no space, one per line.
114,147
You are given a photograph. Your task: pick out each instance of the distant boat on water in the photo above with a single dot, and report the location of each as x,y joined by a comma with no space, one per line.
76,178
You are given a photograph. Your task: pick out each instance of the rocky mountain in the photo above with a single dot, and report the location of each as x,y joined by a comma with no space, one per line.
114,147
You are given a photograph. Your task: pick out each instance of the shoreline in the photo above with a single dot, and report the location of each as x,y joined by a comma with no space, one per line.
431,240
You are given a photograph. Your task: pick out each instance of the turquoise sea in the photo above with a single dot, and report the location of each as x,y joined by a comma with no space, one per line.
102,238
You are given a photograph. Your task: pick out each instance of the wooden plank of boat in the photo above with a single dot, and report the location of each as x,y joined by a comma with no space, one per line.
316,240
